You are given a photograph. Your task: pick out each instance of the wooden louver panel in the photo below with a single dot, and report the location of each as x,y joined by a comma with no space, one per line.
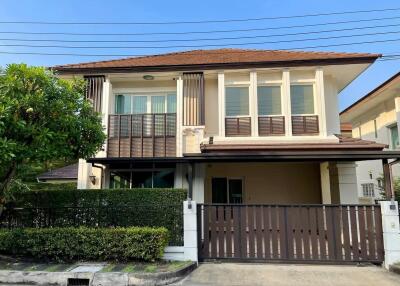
142,135
193,99
271,125
305,125
237,126
94,91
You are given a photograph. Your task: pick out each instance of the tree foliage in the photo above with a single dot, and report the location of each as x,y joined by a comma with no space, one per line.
43,117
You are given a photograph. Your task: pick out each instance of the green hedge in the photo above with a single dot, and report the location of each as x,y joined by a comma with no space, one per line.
94,244
103,208
59,196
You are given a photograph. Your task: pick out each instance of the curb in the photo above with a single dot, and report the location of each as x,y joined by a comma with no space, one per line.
394,269
95,279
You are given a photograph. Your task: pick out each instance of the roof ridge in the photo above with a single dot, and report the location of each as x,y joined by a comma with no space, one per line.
205,56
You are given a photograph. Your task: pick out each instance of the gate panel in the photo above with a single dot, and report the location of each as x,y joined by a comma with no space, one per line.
331,233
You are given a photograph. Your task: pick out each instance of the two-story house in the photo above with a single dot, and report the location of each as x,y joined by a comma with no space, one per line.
256,124
246,132
375,117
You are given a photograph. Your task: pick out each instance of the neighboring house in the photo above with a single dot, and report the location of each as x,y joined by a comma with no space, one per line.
375,117
250,128
66,174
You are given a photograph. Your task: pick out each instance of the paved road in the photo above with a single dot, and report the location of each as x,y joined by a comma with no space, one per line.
289,275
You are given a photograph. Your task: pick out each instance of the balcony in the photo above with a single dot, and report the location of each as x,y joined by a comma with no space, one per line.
142,135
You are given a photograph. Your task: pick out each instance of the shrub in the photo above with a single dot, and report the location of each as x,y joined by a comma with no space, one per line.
103,208
71,244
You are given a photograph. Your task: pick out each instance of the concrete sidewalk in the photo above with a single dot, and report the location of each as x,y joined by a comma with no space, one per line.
289,275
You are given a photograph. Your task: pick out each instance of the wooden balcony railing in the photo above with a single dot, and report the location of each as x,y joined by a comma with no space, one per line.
305,125
237,126
271,125
142,135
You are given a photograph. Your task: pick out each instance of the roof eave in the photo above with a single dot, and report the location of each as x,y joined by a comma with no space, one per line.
260,64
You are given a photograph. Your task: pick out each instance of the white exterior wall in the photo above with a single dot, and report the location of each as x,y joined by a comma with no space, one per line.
347,180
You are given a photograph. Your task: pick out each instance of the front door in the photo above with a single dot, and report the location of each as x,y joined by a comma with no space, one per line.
227,190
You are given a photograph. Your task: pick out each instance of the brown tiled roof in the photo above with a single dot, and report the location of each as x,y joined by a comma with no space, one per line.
345,143
219,57
67,172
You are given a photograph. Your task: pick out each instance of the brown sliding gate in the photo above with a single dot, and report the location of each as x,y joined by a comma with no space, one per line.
307,233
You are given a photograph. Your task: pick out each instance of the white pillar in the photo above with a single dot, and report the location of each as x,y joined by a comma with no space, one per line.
286,107
391,232
179,116
221,104
198,182
253,103
190,231
325,183
84,170
320,101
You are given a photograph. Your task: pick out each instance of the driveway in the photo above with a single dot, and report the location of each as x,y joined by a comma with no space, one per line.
282,275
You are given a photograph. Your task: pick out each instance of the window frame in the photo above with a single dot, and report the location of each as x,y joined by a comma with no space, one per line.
390,127
148,95
228,178
368,190
281,96
248,99
305,83
133,170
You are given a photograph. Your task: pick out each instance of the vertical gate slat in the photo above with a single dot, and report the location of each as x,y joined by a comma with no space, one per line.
297,233
306,231
291,217
346,233
378,233
354,233
274,228
236,231
206,227
259,235
282,233
221,233
321,233
213,232
338,232
371,236
363,238
330,233
243,231
228,220
250,218
267,232
313,233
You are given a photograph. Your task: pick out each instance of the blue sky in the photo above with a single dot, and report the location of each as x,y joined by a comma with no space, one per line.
172,10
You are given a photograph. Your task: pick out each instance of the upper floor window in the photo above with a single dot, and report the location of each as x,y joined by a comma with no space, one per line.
368,190
237,101
140,104
394,137
269,100
302,99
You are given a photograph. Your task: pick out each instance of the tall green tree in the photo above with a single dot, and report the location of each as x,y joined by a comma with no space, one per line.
43,117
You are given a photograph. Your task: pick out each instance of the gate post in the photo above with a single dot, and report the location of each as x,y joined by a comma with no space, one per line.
190,231
391,232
